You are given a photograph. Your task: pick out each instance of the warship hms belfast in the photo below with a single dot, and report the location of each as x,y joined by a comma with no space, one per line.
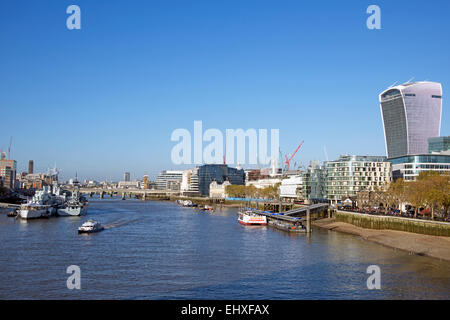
52,201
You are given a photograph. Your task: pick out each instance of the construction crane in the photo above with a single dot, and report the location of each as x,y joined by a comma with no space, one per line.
288,161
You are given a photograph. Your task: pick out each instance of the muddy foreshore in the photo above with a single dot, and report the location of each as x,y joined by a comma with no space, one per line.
420,244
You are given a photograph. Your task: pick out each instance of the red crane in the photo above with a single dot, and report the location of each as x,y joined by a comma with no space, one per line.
288,161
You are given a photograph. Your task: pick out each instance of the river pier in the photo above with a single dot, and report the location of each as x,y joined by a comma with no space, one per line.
297,220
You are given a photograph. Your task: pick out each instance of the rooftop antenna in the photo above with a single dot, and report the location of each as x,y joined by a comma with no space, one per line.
225,154
393,84
9,148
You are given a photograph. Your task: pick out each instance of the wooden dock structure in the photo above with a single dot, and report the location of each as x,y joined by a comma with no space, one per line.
296,220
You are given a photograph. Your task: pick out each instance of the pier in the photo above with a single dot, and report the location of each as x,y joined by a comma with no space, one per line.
290,220
9,205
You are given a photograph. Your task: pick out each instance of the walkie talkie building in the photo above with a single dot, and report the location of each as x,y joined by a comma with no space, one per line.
411,114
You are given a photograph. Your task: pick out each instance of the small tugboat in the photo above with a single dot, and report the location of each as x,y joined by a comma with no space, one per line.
13,213
249,218
90,226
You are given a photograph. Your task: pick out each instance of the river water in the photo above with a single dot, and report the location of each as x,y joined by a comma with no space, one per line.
158,250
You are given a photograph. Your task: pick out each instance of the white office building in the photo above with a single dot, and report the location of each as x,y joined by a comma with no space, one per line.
169,180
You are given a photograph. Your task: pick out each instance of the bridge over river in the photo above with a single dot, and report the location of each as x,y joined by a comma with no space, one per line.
138,193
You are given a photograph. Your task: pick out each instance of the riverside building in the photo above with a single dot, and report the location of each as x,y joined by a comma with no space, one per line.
351,174
189,182
291,188
220,173
169,180
315,183
409,167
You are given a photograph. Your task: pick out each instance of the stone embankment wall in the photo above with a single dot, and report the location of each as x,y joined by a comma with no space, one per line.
368,221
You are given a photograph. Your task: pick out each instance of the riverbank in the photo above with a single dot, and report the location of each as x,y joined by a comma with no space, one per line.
419,244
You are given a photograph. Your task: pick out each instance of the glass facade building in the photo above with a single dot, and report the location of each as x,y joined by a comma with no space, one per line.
438,144
411,114
220,173
315,183
409,167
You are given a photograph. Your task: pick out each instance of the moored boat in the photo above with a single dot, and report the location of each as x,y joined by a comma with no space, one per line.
76,205
296,227
250,218
13,213
38,207
34,211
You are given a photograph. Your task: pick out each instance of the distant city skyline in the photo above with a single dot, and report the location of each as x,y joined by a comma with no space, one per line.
104,100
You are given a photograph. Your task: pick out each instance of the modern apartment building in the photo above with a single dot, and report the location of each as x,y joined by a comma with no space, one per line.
350,174
411,114
189,182
169,180
315,183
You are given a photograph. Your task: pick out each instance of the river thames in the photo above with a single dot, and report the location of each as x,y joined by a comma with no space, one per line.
159,250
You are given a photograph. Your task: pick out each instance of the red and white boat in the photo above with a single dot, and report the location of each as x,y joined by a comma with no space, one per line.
250,218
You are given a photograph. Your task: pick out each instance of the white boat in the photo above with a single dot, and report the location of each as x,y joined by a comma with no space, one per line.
38,206
33,211
185,203
250,218
90,226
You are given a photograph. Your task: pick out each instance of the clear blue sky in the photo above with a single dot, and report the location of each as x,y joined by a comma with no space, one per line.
104,99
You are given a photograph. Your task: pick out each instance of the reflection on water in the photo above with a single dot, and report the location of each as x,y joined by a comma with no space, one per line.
158,250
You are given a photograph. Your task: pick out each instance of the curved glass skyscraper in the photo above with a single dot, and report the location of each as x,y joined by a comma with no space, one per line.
411,114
